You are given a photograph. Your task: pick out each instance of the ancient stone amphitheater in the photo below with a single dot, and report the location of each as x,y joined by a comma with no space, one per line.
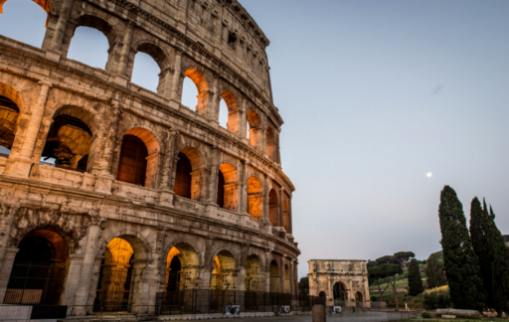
117,198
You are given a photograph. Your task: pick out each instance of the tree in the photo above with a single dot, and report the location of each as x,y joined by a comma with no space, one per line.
414,278
435,272
460,261
304,286
493,255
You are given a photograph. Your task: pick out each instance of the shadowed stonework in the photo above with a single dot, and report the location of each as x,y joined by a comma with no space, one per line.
116,198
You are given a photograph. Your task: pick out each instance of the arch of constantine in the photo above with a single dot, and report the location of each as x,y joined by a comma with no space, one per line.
340,282
114,197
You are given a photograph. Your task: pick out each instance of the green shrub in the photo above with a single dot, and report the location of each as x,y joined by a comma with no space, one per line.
436,301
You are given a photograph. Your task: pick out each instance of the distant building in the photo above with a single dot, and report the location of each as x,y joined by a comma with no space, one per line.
341,282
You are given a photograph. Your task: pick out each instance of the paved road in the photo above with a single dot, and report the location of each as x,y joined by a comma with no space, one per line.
345,317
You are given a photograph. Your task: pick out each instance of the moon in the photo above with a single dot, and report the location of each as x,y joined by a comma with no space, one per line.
429,174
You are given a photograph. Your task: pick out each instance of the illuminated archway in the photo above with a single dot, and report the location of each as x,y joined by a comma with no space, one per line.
254,197
253,128
39,269
229,112
287,284
227,196
195,97
10,105
188,174
275,277
222,280
139,157
69,139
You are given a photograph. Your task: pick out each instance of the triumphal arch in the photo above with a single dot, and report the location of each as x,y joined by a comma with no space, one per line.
115,197
340,282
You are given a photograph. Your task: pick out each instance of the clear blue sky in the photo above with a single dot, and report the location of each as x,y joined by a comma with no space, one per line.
375,94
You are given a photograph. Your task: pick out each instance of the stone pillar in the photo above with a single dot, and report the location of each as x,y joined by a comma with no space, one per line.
6,268
213,177
243,120
73,279
177,79
123,65
166,164
20,164
214,100
265,191
165,86
81,296
56,28
243,187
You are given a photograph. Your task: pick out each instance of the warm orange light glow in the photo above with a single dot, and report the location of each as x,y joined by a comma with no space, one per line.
121,251
254,197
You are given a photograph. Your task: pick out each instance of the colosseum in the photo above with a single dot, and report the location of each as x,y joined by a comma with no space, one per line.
116,198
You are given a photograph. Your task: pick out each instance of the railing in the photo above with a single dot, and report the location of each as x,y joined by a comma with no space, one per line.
204,301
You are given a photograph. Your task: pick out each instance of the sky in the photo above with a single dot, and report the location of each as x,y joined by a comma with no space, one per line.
384,103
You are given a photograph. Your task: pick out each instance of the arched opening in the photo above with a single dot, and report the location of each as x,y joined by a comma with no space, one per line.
271,145
194,90
254,197
253,282
275,278
229,112
322,298
273,208
339,293
9,113
359,300
227,187
39,269
223,114
182,269
287,285
139,158
146,71
16,13
253,128
116,277
148,65
183,176
69,140
222,280
90,44
132,167
187,174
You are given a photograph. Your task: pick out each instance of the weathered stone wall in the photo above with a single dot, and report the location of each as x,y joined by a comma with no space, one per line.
214,39
351,274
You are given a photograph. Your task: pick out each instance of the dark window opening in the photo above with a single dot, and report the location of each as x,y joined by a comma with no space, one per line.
183,176
8,119
133,161
220,189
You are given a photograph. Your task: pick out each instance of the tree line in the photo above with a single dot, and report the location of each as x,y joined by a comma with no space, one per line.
476,259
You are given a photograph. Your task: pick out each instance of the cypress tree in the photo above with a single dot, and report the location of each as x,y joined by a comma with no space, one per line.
499,264
414,278
460,260
481,241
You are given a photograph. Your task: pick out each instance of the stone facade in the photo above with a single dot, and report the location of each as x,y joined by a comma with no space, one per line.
135,191
341,282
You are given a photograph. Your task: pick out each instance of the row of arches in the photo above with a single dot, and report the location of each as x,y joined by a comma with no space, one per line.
148,65
40,268
72,140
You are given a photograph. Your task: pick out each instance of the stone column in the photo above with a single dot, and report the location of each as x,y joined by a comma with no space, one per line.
20,164
56,28
166,164
124,64
243,187
265,191
243,120
165,86
213,177
6,268
73,279
85,275
214,100
177,79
